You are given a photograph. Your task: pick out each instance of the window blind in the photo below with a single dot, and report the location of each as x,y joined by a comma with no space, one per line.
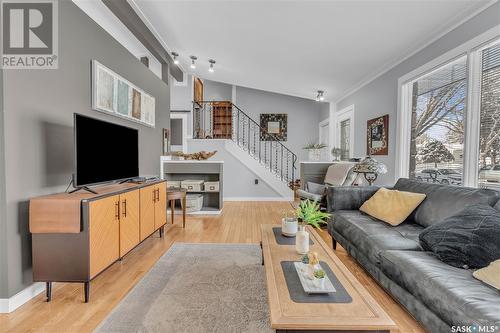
453,72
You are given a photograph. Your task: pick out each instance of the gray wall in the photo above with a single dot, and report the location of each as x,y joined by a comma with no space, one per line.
303,115
181,96
3,225
216,91
239,181
379,97
324,112
39,107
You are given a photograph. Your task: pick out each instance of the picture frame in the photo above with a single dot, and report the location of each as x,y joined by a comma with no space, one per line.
377,134
113,94
275,124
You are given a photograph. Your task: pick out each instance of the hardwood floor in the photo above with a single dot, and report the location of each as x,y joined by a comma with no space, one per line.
239,223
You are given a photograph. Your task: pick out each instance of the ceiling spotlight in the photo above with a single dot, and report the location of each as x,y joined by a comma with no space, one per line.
175,55
319,96
211,68
193,59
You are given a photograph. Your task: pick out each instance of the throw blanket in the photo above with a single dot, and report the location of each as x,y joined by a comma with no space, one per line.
337,173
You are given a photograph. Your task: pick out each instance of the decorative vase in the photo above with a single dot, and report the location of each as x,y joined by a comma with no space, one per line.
302,241
314,155
289,226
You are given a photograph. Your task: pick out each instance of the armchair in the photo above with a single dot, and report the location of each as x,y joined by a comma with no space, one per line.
338,174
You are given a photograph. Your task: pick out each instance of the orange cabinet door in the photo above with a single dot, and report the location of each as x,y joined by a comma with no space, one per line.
104,233
147,211
161,205
129,221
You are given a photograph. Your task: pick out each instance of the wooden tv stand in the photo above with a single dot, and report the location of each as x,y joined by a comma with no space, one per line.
77,236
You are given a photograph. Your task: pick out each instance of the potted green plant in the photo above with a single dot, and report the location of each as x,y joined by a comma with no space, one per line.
319,278
308,212
314,150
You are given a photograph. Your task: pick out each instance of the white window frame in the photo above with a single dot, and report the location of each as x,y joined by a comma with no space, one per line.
472,49
340,116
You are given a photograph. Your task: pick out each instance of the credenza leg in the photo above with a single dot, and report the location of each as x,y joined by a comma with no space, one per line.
262,251
162,231
334,243
48,290
86,287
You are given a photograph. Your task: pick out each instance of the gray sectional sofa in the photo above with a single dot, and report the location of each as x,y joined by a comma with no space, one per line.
438,295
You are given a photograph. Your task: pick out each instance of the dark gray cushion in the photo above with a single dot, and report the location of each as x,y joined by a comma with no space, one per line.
443,201
348,197
452,293
468,239
372,236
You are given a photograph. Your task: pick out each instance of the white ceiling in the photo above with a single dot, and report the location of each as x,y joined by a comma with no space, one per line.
298,47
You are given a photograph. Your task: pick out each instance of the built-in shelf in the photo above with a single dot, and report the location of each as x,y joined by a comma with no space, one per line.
208,171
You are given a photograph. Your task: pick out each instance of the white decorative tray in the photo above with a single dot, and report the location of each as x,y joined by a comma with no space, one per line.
309,284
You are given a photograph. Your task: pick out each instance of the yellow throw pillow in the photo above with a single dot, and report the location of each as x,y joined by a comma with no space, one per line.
489,274
392,206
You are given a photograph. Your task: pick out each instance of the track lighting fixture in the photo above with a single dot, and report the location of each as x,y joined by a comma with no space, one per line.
319,96
175,55
193,59
212,63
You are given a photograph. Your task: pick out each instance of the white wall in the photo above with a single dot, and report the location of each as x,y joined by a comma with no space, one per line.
239,181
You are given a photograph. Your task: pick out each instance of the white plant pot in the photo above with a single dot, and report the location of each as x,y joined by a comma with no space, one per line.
314,155
302,242
289,227
319,283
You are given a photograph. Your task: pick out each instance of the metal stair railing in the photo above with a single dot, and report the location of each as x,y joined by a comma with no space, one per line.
210,121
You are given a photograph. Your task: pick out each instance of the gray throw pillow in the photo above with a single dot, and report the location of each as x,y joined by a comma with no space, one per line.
468,239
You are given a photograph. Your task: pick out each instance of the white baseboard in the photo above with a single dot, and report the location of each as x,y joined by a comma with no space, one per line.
257,199
7,305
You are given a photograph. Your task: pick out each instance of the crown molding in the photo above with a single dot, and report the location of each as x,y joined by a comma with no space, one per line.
452,25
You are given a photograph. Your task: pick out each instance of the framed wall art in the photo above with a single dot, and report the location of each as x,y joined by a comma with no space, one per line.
378,136
275,124
113,94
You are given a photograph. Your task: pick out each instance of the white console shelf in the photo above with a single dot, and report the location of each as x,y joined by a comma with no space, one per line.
208,170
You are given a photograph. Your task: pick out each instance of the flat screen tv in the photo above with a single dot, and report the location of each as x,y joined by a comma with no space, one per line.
104,151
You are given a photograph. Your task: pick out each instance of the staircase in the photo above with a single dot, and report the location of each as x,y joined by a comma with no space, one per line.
251,143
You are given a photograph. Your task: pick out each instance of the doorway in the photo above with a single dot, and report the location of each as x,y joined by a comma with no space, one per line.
344,133
178,131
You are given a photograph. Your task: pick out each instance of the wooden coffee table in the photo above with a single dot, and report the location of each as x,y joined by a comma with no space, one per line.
363,314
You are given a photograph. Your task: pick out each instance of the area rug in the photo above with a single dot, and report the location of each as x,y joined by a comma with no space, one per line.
197,288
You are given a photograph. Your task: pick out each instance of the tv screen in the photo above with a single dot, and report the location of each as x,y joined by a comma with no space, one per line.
104,151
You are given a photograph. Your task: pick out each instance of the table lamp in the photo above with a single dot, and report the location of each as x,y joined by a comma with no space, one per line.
370,168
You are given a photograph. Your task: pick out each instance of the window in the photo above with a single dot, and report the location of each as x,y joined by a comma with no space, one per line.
489,133
345,136
437,124
449,117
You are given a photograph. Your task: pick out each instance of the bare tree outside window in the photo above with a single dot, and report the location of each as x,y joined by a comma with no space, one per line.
438,118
